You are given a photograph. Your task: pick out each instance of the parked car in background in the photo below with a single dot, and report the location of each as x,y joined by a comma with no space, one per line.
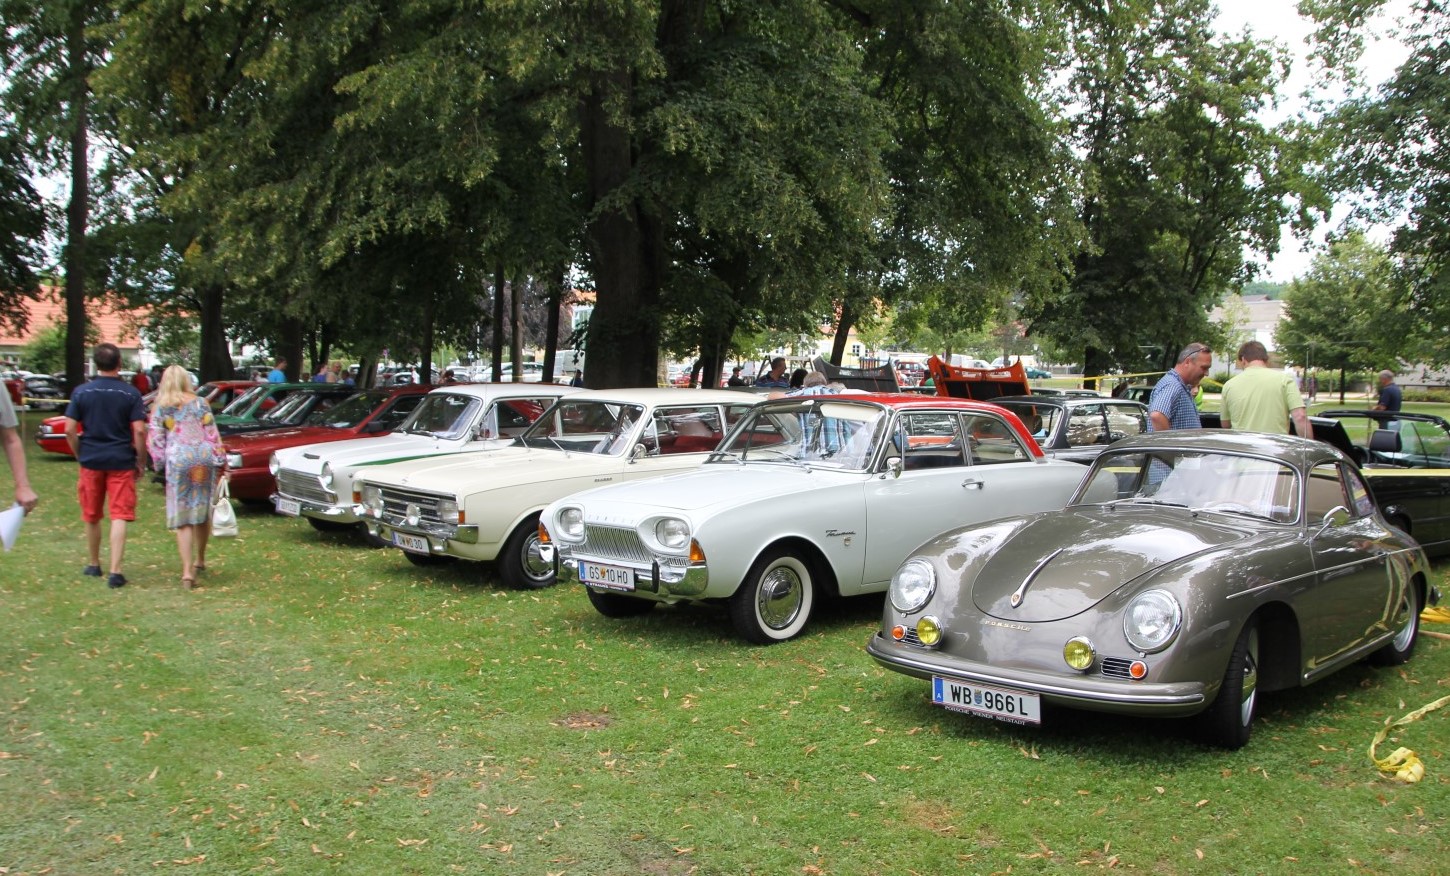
810,497
485,507
376,412
50,435
1074,428
276,405
1192,572
43,393
316,482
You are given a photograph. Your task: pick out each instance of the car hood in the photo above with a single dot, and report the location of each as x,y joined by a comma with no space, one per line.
285,436
379,450
461,474
700,491
1066,562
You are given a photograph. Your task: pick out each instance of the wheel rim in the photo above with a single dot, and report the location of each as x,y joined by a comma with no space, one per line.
534,565
1250,690
780,597
1406,635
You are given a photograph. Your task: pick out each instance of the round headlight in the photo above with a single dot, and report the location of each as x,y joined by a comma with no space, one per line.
912,585
372,499
325,477
1079,653
928,631
571,523
448,511
673,532
274,464
234,460
1152,620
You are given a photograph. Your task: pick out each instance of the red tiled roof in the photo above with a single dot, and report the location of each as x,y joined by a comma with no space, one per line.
113,323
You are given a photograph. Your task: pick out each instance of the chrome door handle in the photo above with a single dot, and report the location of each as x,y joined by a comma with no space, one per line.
973,484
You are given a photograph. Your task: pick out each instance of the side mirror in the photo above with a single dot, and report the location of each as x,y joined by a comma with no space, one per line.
1334,517
638,452
894,466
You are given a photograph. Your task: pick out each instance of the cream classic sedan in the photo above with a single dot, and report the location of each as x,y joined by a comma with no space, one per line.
485,507
809,496
315,481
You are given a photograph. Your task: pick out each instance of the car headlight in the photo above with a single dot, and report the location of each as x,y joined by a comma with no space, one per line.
672,532
448,511
372,499
274,465
1152,620
571,523
912,585
325,477
234,460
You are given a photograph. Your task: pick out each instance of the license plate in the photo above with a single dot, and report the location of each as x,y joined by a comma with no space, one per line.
606,577
412,543
290,507
1015,706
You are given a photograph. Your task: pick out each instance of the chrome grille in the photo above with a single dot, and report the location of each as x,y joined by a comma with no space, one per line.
296,485
396,502
1116,667
613,543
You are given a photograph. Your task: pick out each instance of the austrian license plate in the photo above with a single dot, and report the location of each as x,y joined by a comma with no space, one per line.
414,543
1018,707
290,507
606,577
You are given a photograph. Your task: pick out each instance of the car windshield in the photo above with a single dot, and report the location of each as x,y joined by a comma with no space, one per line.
244,402
1248,486
346,414
291,409
816,430
598,427
443,414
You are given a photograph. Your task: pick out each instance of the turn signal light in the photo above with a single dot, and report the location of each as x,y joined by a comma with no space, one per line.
1138,669
543,534
898,632
697,554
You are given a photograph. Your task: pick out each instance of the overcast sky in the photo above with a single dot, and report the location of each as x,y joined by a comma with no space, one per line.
1278,20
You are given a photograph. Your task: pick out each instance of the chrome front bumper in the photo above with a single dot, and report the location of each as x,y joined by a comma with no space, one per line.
650,583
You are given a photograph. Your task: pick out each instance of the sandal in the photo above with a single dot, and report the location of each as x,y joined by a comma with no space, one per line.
200,567
188,583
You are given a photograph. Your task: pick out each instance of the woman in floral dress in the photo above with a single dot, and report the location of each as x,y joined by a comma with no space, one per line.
183,437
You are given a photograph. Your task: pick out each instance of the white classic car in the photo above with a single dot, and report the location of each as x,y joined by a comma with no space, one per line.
809,496
316,480
486,507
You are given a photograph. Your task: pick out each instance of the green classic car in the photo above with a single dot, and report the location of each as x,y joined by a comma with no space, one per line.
274,405
1191,572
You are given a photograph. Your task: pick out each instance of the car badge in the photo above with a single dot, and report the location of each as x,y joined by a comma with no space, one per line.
1021,592
412,513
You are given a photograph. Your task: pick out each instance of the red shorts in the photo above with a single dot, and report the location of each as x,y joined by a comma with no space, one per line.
94,488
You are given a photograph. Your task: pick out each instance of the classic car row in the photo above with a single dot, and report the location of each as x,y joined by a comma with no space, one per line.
1034,551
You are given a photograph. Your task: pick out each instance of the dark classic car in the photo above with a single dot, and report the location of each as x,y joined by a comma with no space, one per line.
1077,428
1191,572
276,405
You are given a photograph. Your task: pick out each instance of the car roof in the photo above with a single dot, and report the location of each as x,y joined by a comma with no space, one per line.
1069,401
662,395
901,401
1290,448
507,389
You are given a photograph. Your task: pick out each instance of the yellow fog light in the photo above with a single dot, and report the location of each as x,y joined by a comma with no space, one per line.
928,631
1079,653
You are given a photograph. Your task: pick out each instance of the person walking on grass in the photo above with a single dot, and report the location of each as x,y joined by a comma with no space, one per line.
15,454
111,453
183,437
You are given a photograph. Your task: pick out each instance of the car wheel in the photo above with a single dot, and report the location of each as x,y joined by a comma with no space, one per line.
428,559
1400,648
617,605
775,600
1228,722
520,565
329,525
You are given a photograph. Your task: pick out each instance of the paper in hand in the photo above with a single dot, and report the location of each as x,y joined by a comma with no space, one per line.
10,525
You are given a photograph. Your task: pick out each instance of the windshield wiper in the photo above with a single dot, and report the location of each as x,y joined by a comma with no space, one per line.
727,454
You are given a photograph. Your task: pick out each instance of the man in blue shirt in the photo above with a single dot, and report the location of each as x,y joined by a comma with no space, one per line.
775,376
112,455
1171,404
1390,397
278,374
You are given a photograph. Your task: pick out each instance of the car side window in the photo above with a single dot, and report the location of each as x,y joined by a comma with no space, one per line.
1361,504
992,441
695,429
928,439
1324,491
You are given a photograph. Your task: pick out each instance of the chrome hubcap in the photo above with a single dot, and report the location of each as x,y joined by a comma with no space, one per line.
534,565
780,597
1407,629
1251,678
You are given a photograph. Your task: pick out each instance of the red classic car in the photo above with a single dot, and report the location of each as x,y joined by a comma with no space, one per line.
50,436
370,413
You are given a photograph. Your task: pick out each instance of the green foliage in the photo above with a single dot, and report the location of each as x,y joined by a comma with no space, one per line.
46,351
1348,313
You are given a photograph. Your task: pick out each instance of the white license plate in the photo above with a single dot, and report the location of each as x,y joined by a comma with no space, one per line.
1018,707
607,577
290,507
412,543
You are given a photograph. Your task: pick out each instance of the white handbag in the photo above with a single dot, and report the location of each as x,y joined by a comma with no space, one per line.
223,515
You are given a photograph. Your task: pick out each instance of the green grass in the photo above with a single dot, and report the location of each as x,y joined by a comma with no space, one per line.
321,707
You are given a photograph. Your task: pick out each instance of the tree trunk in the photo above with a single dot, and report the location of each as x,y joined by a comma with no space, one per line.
516,328
216,356
77,214
554,302
496,342
430,313
843,334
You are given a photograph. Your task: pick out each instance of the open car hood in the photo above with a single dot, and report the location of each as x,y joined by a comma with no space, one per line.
1072,560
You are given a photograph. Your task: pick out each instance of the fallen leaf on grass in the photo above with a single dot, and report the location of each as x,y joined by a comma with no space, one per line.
411,842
